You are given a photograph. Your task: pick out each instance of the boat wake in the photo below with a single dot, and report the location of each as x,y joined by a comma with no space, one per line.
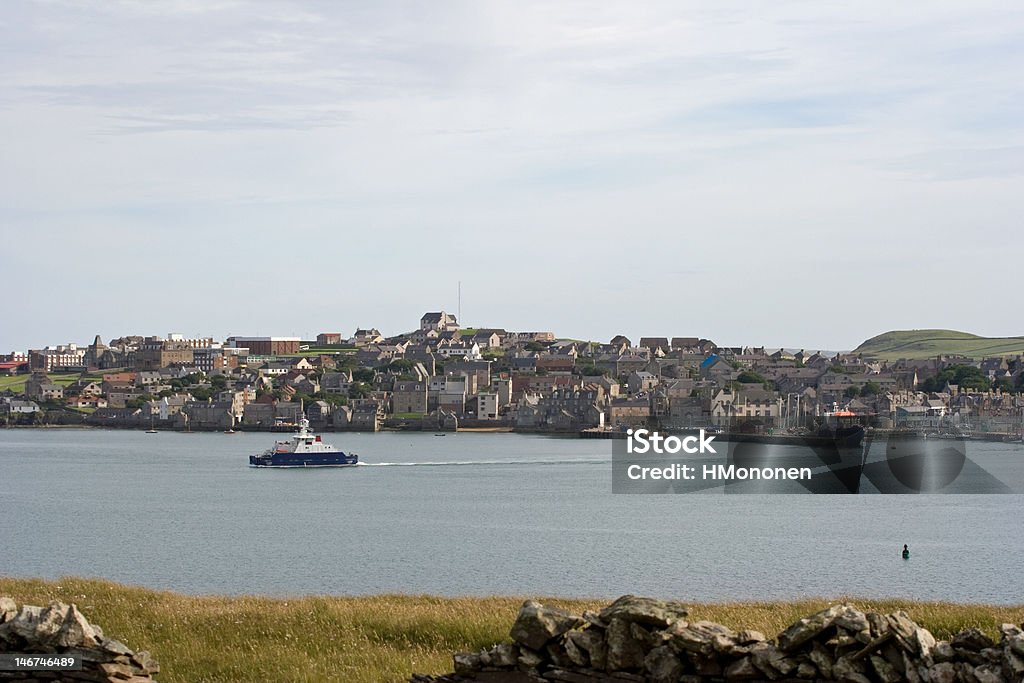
484,463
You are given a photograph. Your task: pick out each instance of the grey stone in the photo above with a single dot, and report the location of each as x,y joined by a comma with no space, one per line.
895,656
622,676
863,636
51,619
467,662
705,666
901,625
538,624
645,637
747,637
943,652
90,654
503,655
563,676
806,671
852,619
645,611
807,628
910,669
576,654
696,636
8,608
663,665
25,621
557,655
76,630
874,646
965,672
846,667
1014,664
943,672
877,624
971,639
988,673
624,651
117,670
724,644
592,642
842,639
821,659
742,670
1014,643
114,647
1007,630
925,642
911,637
145,660
528,660
770,661
884,669
855,677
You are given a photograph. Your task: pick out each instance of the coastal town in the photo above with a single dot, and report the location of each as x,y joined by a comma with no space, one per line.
443,377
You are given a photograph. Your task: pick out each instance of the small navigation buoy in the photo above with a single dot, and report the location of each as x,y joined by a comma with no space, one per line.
906,552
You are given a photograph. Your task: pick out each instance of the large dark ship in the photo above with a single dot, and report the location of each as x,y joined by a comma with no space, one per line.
304,450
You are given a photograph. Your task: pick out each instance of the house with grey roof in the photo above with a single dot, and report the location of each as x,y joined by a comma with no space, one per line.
439,321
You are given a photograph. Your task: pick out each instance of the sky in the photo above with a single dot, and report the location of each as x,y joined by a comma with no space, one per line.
799,174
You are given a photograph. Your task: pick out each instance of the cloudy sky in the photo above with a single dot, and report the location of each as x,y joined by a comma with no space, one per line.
804,174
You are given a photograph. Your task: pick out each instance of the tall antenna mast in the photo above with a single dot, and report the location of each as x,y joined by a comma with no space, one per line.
460,303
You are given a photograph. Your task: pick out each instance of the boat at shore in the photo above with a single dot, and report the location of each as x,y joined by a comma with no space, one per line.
305,449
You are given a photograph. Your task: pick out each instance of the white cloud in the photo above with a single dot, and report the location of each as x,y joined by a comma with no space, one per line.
800,145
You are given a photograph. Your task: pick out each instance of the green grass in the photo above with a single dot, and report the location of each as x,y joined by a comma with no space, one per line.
376,638
915,344
408,416
16,383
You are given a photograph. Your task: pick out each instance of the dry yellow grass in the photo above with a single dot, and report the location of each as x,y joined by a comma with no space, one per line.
376,638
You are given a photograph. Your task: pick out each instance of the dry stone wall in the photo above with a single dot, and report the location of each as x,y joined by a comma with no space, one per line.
640,640
60,629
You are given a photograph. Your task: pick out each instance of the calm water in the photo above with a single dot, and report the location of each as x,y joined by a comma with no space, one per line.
472,514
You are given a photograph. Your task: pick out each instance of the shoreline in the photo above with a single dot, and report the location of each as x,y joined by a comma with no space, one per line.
593,433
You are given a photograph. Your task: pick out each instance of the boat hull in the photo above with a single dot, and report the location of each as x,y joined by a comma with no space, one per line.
304,460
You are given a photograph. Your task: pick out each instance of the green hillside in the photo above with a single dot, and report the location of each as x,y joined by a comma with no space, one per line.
928,343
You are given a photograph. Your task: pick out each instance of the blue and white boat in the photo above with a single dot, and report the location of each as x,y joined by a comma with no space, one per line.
304,450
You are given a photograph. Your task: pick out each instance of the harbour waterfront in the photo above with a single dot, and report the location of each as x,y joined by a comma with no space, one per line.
473,514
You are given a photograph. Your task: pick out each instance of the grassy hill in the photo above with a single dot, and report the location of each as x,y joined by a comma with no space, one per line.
928,343
16,383
374,639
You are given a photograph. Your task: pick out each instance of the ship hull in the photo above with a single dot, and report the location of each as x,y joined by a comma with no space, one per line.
304,460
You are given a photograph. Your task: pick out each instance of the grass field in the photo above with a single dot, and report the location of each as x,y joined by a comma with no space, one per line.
929,343
16,383
376,638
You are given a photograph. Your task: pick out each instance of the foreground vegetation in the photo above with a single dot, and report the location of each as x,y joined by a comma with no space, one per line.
375,638
930,343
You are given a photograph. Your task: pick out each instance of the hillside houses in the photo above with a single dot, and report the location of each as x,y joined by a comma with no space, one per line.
438,373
